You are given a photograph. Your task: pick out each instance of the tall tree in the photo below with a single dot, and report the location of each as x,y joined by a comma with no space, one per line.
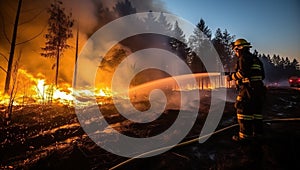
59,31
178,43
12,49
163,24
204,28
76,54
200,38
199,43
222,42
227,41
276,60
294,64
218,43
286,63
178,33
14,42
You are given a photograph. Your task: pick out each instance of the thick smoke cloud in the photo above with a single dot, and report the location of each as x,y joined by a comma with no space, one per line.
89,14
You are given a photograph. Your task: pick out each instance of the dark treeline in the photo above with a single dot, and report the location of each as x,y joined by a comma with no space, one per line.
277,68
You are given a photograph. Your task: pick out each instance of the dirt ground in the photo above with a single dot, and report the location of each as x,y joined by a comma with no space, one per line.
50,137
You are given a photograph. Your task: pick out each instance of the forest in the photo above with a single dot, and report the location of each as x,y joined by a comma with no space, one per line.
40,127
277,68
56,43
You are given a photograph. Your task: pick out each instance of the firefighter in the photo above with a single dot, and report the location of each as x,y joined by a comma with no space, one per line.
249,77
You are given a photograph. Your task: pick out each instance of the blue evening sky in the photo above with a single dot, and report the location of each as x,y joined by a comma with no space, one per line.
272,26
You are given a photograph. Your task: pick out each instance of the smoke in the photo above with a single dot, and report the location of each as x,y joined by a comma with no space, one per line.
89,15
146,6
140,6
84,14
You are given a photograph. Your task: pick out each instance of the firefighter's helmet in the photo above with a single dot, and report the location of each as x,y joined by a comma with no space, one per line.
240,44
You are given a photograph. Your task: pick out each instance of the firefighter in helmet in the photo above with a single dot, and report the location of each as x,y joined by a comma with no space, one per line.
249,77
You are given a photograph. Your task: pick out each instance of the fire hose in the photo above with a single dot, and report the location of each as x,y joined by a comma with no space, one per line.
197,139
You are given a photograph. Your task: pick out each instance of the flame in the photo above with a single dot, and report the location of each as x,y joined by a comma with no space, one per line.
35,90
87,97
101,93
4,99
32,89
104,92
51,92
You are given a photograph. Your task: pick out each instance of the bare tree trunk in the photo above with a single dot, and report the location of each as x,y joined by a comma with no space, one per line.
12,49
76,56
13,91
57,66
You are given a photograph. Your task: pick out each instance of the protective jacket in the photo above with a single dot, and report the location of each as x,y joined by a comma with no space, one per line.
248,76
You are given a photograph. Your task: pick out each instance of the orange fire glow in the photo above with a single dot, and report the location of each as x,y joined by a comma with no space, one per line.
30,89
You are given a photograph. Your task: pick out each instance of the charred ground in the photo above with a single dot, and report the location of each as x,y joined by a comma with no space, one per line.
50,137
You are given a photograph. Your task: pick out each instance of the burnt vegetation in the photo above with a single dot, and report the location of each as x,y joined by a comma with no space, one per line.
49,136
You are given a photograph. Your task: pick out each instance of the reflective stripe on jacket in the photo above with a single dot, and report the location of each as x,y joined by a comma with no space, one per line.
248,68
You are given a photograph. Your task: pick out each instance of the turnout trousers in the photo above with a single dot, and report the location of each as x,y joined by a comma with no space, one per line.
249,105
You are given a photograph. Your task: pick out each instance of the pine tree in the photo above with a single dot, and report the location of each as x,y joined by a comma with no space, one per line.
199,43
204,28
200,37
178,43
178,33
222,42
163,24
286,63
218,43
276,60
227,41
294,64
59,31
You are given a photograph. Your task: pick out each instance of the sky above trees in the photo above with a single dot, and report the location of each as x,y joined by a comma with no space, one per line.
271,25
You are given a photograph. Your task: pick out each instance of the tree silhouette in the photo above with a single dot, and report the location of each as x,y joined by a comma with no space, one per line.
279,69
294,64
222,42
59,31
200,37
178,33
199,43
178,43
204,28
13,43
12,49
163,24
